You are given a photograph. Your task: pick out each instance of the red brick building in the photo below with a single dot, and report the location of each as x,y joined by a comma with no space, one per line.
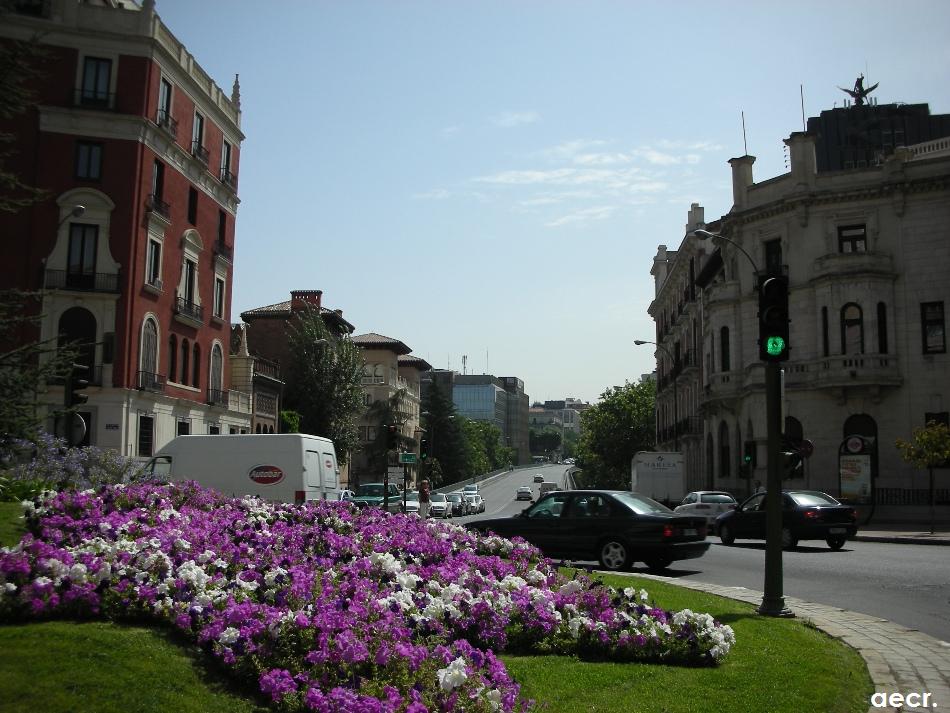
138,151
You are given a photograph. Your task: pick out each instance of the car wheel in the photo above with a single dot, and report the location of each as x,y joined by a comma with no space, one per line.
614,555
836,542
658,565
726,534
789,541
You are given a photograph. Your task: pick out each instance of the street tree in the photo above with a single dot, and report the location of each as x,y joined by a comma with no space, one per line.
441,427
324,382
929,448
613,431
27,365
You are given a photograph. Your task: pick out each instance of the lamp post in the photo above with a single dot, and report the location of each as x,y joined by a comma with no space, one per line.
773,600
75,212
676,431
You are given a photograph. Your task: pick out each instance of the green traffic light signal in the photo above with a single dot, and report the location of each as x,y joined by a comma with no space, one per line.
775,346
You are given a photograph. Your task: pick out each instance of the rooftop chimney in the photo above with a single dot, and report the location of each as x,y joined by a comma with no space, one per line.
299,298
741,179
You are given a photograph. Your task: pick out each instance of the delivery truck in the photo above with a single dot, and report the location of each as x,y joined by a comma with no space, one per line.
286,467
659,476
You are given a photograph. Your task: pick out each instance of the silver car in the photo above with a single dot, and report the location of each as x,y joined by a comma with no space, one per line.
411,506
439,506
710,503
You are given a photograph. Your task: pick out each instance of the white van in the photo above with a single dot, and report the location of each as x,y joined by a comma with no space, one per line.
546,488
286,467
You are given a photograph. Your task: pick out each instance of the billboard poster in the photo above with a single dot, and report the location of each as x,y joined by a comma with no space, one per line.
854,472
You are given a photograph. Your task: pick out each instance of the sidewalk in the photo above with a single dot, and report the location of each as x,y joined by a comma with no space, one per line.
900,660
903,534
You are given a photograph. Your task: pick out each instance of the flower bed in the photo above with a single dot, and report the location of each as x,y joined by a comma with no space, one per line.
330,609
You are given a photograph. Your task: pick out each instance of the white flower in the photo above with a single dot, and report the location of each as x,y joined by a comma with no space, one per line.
494,699
9,587
229,636
453,675
77,573
571,587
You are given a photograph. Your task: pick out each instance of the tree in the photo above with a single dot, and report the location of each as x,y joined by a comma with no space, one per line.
544,440
446,443
324,382
384,412
20,67
26,366
930,448
614,430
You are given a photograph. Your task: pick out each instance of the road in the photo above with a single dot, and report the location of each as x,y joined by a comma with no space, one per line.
906,584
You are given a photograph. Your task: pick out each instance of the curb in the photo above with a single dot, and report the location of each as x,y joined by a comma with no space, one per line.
898,659
904,539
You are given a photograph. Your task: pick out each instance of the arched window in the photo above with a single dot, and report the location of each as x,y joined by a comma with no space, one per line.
173,358
724,349
852,329
881,328
196,366
724,470
185,351
217,365
257,429
148,359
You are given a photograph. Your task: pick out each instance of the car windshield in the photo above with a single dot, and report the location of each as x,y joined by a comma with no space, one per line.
437,498
813,497
717,498
641,505
412,496
471,488
454,497
371,489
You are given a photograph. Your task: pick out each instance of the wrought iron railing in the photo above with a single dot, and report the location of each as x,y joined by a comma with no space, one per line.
199,152
150,381
228,179
217,397
189,309
156,205
167,122
88,99
82,282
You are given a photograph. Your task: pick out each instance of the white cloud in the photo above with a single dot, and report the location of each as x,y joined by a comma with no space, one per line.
436,194
450,131
583,216
515,118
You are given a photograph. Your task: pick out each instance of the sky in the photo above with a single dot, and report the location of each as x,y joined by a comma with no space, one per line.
488,181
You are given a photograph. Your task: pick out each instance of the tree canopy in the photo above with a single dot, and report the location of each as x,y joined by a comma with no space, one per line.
324,382
614,430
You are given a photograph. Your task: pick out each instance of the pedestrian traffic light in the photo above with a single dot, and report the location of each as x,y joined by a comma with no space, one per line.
391,436
748,453
424,449
793,464
76,380
773,318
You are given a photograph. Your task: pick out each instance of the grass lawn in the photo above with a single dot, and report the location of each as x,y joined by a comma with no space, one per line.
777,665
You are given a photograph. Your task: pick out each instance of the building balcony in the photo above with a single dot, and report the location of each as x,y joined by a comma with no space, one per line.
217,397
228,179
154,204
837,265
267,369
149,381
86,99
724,384
165,121
199,152
845,370
82,282
189,311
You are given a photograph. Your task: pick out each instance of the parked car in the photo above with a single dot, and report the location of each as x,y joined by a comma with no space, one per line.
411,504
470,488
538,477
546,488
459,504
439,506
524,493
709,503
806,515
614,527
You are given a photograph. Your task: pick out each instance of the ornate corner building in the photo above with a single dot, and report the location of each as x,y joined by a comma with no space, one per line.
138,151
861,227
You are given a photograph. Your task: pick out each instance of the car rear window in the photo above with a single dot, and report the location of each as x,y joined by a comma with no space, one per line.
641,505
718,498
813,498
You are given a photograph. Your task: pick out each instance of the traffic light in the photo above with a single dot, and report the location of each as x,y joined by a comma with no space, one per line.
424,449
391,437
748,454
76,380
793,464
773,318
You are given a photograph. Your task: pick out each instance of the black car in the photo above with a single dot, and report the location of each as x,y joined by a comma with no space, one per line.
459,506
615,527
806,515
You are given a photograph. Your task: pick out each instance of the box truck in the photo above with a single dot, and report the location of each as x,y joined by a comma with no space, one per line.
286,467
659,476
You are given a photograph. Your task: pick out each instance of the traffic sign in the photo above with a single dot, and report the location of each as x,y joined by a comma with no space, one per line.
407,457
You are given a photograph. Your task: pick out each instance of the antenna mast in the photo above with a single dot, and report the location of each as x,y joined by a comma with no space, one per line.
745,146
801,90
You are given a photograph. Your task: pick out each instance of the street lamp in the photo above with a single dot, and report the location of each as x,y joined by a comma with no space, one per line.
77,211
676,439
773,601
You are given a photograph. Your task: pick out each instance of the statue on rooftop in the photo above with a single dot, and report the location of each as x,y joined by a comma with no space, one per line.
859,93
